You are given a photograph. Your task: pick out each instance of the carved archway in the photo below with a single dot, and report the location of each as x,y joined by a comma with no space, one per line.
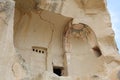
81,50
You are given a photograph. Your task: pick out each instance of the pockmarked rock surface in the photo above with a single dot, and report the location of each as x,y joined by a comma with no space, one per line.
57,40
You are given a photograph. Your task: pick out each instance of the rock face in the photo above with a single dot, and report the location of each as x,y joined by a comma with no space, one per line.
57,40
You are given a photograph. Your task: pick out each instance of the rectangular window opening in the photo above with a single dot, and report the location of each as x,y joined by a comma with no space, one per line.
58,70
40,50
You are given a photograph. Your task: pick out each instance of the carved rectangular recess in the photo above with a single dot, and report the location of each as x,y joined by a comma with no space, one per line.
58,70
40,50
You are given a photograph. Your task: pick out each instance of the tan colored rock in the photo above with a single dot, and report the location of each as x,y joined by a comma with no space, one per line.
57,40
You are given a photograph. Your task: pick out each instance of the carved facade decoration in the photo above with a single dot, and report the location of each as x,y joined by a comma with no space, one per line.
57,40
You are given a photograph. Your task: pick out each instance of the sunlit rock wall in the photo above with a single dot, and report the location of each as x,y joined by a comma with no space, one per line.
57,40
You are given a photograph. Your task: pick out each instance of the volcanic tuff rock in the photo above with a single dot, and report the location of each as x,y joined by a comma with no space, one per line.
57,40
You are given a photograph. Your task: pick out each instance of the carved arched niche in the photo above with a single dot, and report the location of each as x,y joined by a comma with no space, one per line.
81,50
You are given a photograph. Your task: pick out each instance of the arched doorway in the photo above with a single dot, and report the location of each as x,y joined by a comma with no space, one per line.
81,51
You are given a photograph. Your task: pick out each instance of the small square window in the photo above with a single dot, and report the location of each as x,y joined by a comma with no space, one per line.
33,49
42,51
58,70
36,50
39,51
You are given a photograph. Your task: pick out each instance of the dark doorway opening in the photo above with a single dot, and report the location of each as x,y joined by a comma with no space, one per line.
57,70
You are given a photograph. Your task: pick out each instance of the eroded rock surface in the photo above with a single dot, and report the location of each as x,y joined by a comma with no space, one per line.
57,40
